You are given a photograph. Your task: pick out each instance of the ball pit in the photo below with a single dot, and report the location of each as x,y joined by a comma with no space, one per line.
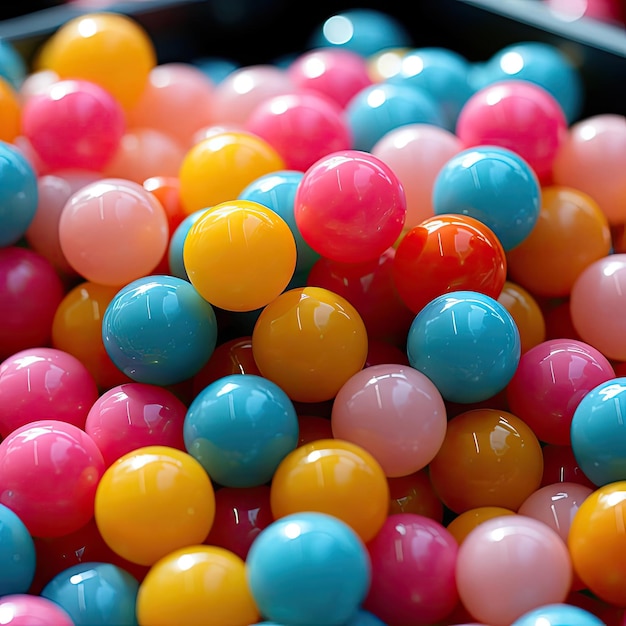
333,340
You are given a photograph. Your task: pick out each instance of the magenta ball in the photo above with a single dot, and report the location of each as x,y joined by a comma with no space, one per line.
550,381
44,383
509,565
49,472
135,415
29,610
350,206
395,412
413,571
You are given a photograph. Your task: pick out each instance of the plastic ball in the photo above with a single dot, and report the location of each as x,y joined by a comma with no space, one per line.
592,158
175,251
159,330
29,610
350,206
197,585
216,68
110,49
550,381
395,413
494,185
382,352
416,153
19,194
560,466
49,473
414,493
559,614
11,107
463,524
308,568
12,65
446,254
17,554
490,458
596,538
95,594
240,255
595,302
240,428
218,168
518,115
152,501
44,383
309,341
467,343
113,231
382,107
365,618
413,564
505,554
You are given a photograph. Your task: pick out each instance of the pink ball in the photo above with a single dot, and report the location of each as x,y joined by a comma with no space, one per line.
416,153
350,206
134,415
30,610
49,472
44,383
395,413
597,306
113,231
413,571
509,565
73,124
518,115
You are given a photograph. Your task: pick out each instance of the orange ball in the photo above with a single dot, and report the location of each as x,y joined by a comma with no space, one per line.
10,112
463,524
414,493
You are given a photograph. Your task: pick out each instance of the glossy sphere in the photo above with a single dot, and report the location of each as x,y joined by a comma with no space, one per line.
488,458
135,415
503,553
382,107
17,554
12,65
197,585
29,610
217,168
467,343
350,206
109,49
591,159
307,480
571,233
550,381
11,109
153,501
525,310
44,383
63,138
309,341
113,231
25,320
312,428
560,465
94,593
494,185
413,561
49,472
395,413
416,153
463,524
159,330
448,253
596,537
558,614
175,251
308,568
517,115
597,432
240,428
414,493
77,330
594,306
381,352
239,255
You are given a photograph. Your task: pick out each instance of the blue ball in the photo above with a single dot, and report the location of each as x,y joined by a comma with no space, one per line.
308,568
216,68
365,618
598,432
493,185
240,427
17,554
175,257
382,107
467,343
19,194
13,67
277,191
95,594
159,330
558,615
